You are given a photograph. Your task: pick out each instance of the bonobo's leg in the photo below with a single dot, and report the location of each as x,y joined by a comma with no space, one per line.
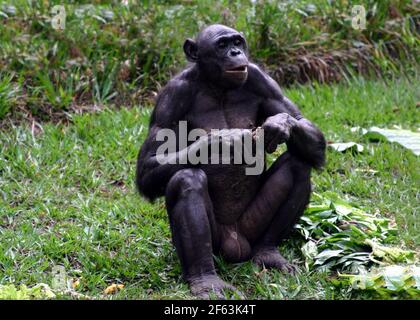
194,231
277,207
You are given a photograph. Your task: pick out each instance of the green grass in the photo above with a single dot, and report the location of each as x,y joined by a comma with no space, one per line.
110,53
67,197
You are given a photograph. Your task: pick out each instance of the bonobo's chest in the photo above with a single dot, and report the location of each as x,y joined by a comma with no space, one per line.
233,109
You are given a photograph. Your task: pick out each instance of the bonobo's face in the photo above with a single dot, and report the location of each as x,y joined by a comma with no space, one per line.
221,54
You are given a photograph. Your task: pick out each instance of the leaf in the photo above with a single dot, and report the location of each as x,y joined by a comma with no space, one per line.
415,272
313,208
113,288
75,283
99,18
390,254
342,209
358,256
327,254
394,277
40,291
386,281
310,251
358,130
43,291
346,146
406,138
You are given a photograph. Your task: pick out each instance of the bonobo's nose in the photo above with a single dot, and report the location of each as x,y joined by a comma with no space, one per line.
235,52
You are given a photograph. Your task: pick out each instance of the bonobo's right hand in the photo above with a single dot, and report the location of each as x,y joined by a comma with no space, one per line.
277,130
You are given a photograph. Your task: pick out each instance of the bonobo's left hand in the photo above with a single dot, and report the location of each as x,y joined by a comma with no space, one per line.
277,130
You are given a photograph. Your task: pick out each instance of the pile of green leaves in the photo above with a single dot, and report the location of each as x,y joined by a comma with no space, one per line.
341,236
386,282
11,292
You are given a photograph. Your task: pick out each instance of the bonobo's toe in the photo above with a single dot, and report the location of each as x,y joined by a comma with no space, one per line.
270,258
211,286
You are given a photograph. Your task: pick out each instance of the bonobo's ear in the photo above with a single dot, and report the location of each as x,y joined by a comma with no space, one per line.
191,50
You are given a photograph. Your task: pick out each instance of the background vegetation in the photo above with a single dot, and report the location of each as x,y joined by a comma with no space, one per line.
110,53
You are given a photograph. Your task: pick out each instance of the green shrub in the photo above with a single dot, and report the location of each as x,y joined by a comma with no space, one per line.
112,53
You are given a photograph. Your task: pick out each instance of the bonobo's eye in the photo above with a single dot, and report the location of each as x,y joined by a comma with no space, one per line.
237,42
222,44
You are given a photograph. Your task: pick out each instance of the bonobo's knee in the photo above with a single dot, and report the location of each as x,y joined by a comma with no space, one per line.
186,181
301,171
300,168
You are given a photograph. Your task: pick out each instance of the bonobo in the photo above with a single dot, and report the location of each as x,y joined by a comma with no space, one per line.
218,208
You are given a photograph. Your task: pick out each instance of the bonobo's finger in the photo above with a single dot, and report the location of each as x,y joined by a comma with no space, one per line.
279,138
285,267
283,134
216,294
288,268
206,293
292,269
269,135
271,146
256,133
203,295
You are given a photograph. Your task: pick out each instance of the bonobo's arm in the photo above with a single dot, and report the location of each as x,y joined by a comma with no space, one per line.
172,104
283,120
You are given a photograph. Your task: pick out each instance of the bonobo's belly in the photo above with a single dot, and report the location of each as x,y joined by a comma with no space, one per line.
230,190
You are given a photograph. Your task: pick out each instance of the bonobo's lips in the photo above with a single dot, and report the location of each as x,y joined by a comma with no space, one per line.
238,72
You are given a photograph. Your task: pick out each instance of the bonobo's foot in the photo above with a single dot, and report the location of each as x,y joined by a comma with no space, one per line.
270,258
205,286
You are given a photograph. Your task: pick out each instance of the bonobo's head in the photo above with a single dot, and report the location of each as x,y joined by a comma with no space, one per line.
221,55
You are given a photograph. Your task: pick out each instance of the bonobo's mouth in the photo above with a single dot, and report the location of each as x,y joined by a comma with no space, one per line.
238,70
239,73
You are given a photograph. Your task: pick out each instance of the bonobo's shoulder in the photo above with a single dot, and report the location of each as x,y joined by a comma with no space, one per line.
174,99
261,83
183,81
